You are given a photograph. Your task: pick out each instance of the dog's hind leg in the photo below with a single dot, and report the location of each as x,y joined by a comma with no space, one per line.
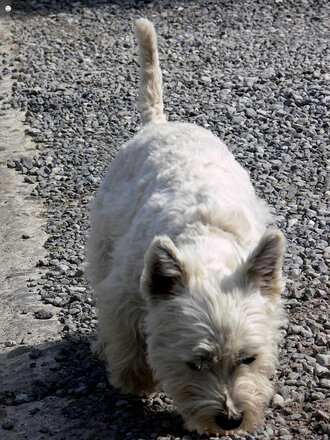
120,340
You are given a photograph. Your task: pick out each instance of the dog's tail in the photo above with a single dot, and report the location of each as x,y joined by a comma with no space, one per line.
150,91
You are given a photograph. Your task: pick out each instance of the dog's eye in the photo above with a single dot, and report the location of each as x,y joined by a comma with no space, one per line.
249,360
199,364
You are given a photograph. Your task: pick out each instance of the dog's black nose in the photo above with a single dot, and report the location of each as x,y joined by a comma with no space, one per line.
228,423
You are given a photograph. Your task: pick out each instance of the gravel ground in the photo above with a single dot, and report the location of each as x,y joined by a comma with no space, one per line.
255,73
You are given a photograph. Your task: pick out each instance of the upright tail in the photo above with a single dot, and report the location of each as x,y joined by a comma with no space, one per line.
150,91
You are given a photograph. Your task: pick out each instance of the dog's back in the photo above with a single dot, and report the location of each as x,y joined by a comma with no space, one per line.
169,175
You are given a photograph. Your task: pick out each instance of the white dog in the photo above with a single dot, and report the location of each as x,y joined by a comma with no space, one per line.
186,270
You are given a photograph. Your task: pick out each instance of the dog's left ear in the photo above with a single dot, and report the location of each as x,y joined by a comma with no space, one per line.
163,275
263,266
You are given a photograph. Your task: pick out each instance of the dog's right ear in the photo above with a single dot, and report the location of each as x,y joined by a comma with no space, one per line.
263,267
163,273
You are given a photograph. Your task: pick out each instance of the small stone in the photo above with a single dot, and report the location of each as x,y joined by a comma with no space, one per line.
42,262
22,398
44,429
35,353
250,113
323,359
322,372
158,401
321,340
224,93
249,82
299,330
268,73
26,162
35,91
10,343
43,314
230,109
62,268
325,383
206,79
326,428
11,164
294,416
78,273
285,392
30,179
320,415
81,391
74,311
326,254
57,301
8,424
121,403
278,401
238,120
25,236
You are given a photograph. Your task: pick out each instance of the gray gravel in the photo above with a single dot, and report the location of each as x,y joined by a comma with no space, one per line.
256,74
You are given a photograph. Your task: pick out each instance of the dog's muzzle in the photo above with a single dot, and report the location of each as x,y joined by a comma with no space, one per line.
227,423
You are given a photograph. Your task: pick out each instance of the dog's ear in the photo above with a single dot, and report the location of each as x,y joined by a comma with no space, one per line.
163,273
263,266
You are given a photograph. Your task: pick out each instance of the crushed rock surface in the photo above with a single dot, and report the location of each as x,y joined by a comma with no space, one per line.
256,74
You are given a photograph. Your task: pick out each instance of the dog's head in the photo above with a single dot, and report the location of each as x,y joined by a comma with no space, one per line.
212,340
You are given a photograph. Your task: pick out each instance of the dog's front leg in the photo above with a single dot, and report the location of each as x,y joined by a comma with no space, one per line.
119,342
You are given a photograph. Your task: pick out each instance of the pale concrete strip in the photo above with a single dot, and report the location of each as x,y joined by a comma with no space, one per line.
19,214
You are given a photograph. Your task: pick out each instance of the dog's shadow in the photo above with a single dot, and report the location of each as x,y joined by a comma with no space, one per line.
121,415
63,386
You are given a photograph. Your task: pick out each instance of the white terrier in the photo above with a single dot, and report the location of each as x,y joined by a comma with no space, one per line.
186,271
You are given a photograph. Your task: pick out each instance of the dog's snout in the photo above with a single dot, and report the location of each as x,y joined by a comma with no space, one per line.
227,423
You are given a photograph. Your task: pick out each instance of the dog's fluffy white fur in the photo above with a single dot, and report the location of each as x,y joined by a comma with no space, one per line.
186,270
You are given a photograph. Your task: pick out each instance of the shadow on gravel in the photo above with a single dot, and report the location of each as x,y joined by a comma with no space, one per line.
46,7
61,389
